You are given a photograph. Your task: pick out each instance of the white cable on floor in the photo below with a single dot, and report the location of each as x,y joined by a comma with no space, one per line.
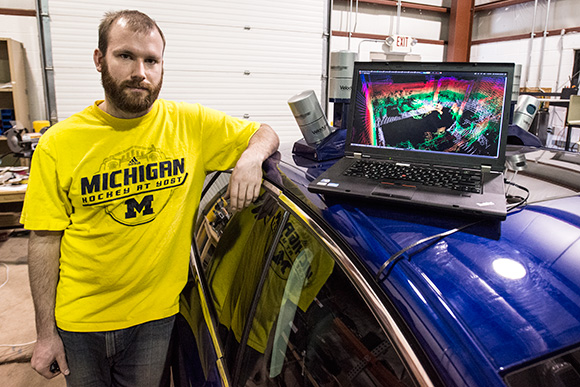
17,345
7,272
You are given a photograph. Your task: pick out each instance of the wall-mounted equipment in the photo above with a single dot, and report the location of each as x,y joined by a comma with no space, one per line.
340,84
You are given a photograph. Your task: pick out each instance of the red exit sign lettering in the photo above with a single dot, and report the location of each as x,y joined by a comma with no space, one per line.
401,43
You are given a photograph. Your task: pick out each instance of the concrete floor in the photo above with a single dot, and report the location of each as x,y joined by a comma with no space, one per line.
17,329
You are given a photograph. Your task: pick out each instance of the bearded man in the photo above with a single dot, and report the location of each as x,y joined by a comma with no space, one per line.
111,202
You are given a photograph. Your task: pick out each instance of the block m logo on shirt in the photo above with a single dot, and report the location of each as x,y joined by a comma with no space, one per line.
143,207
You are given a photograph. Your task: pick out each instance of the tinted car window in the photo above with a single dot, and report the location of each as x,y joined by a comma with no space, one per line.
311,327
287,313
561,371
235,268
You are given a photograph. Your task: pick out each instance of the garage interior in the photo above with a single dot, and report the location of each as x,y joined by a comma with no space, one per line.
247,59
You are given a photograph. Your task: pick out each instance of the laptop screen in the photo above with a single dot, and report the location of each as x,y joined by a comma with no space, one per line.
442,108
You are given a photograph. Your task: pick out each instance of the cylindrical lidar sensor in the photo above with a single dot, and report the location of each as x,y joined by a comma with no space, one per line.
310,117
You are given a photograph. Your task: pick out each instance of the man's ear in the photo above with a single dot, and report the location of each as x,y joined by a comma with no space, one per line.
98,59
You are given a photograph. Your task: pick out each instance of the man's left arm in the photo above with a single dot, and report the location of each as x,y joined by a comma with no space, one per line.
246,177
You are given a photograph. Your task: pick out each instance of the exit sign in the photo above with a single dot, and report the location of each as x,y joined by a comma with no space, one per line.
400,43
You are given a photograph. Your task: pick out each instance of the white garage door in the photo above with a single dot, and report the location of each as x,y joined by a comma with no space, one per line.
244,57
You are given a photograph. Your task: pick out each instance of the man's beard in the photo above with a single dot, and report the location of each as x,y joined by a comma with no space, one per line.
124,99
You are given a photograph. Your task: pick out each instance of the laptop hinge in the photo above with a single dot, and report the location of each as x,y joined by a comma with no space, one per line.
357,155
485,169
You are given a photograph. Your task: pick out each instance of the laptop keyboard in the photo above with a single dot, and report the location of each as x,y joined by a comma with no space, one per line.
456,179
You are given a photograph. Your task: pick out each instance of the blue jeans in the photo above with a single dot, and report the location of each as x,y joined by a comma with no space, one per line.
135,356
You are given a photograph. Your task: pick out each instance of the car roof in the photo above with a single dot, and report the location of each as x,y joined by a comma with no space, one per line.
493,296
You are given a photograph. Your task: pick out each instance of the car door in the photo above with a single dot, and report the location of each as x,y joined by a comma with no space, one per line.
288,305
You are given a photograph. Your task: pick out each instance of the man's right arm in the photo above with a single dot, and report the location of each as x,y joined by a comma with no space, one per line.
43,270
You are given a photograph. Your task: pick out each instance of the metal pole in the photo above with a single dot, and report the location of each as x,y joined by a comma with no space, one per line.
326,55
355,17
542,50
46,58
561,50
348,24
398,17
530,46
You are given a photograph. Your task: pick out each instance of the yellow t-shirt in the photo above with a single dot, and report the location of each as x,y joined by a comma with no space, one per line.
125,192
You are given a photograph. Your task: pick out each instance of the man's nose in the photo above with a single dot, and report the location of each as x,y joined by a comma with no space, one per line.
139,70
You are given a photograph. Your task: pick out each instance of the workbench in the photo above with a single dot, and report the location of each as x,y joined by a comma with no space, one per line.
11,200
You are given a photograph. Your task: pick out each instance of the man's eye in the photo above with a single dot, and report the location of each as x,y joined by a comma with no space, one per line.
151,61
124,56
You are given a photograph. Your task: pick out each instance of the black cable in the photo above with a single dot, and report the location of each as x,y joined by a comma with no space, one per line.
438,237
434,238
523,200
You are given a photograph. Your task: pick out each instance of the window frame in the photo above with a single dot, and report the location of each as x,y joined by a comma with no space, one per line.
343,257
373,301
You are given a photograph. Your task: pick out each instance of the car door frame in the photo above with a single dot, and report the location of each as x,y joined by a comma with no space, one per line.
324,234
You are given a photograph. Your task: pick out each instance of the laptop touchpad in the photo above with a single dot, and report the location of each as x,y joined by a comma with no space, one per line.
394,191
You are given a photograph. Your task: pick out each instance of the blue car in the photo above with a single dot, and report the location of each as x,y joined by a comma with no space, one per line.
305,290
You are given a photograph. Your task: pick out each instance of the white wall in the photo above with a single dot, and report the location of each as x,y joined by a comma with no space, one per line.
556,70
210,58
18,4
557,58
557,64
519,18
552,59
381,20
25,30
555,55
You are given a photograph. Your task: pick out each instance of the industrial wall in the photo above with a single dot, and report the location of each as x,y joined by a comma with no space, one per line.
248,57
547,60
243,57
555,55
382,20
548,64
25,30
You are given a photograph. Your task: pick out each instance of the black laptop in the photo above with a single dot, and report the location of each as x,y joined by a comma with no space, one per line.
428,134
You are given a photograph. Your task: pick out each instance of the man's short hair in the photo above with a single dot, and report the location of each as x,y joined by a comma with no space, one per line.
136,21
